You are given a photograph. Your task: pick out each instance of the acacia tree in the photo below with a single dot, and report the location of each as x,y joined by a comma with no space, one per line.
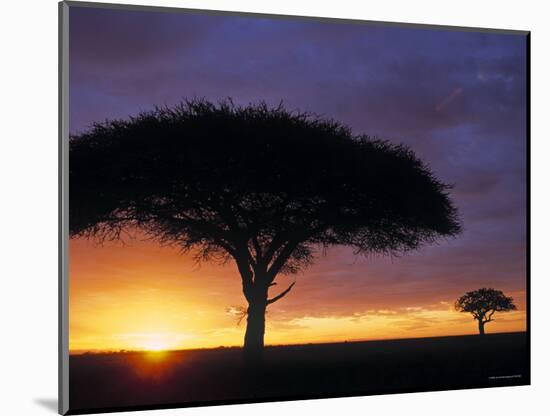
483,303
262,187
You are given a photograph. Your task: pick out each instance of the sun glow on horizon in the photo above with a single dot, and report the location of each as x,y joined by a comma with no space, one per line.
155,341
155,345
152,299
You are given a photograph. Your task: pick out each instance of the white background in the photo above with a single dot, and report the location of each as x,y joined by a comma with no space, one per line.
28,204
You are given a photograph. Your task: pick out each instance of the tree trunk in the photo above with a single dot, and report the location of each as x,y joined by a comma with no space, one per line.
255,329
481,326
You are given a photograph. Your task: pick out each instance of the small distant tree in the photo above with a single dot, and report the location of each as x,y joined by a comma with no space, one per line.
483,303
261,187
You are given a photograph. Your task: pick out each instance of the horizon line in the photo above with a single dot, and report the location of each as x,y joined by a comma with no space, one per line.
351,341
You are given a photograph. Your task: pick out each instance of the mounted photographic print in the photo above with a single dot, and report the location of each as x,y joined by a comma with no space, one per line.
263,208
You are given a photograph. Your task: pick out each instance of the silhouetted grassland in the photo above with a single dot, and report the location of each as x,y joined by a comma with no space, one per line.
103,382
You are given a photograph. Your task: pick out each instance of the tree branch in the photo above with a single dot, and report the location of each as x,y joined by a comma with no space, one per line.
275,244
280,261
257,248
281,295
488,318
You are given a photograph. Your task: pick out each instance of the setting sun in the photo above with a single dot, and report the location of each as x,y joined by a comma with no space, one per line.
156,346
158,341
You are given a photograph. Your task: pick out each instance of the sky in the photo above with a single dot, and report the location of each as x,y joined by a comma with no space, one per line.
457,98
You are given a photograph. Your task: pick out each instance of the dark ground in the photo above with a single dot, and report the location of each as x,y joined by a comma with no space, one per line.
103,382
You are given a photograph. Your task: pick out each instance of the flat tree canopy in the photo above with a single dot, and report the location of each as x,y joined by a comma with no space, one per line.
194,173
262,186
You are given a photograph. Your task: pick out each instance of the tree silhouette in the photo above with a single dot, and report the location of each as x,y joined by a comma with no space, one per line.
483,303
260,186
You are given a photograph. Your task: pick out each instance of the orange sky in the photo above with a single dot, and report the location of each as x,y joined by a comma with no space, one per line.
460,108
142,296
